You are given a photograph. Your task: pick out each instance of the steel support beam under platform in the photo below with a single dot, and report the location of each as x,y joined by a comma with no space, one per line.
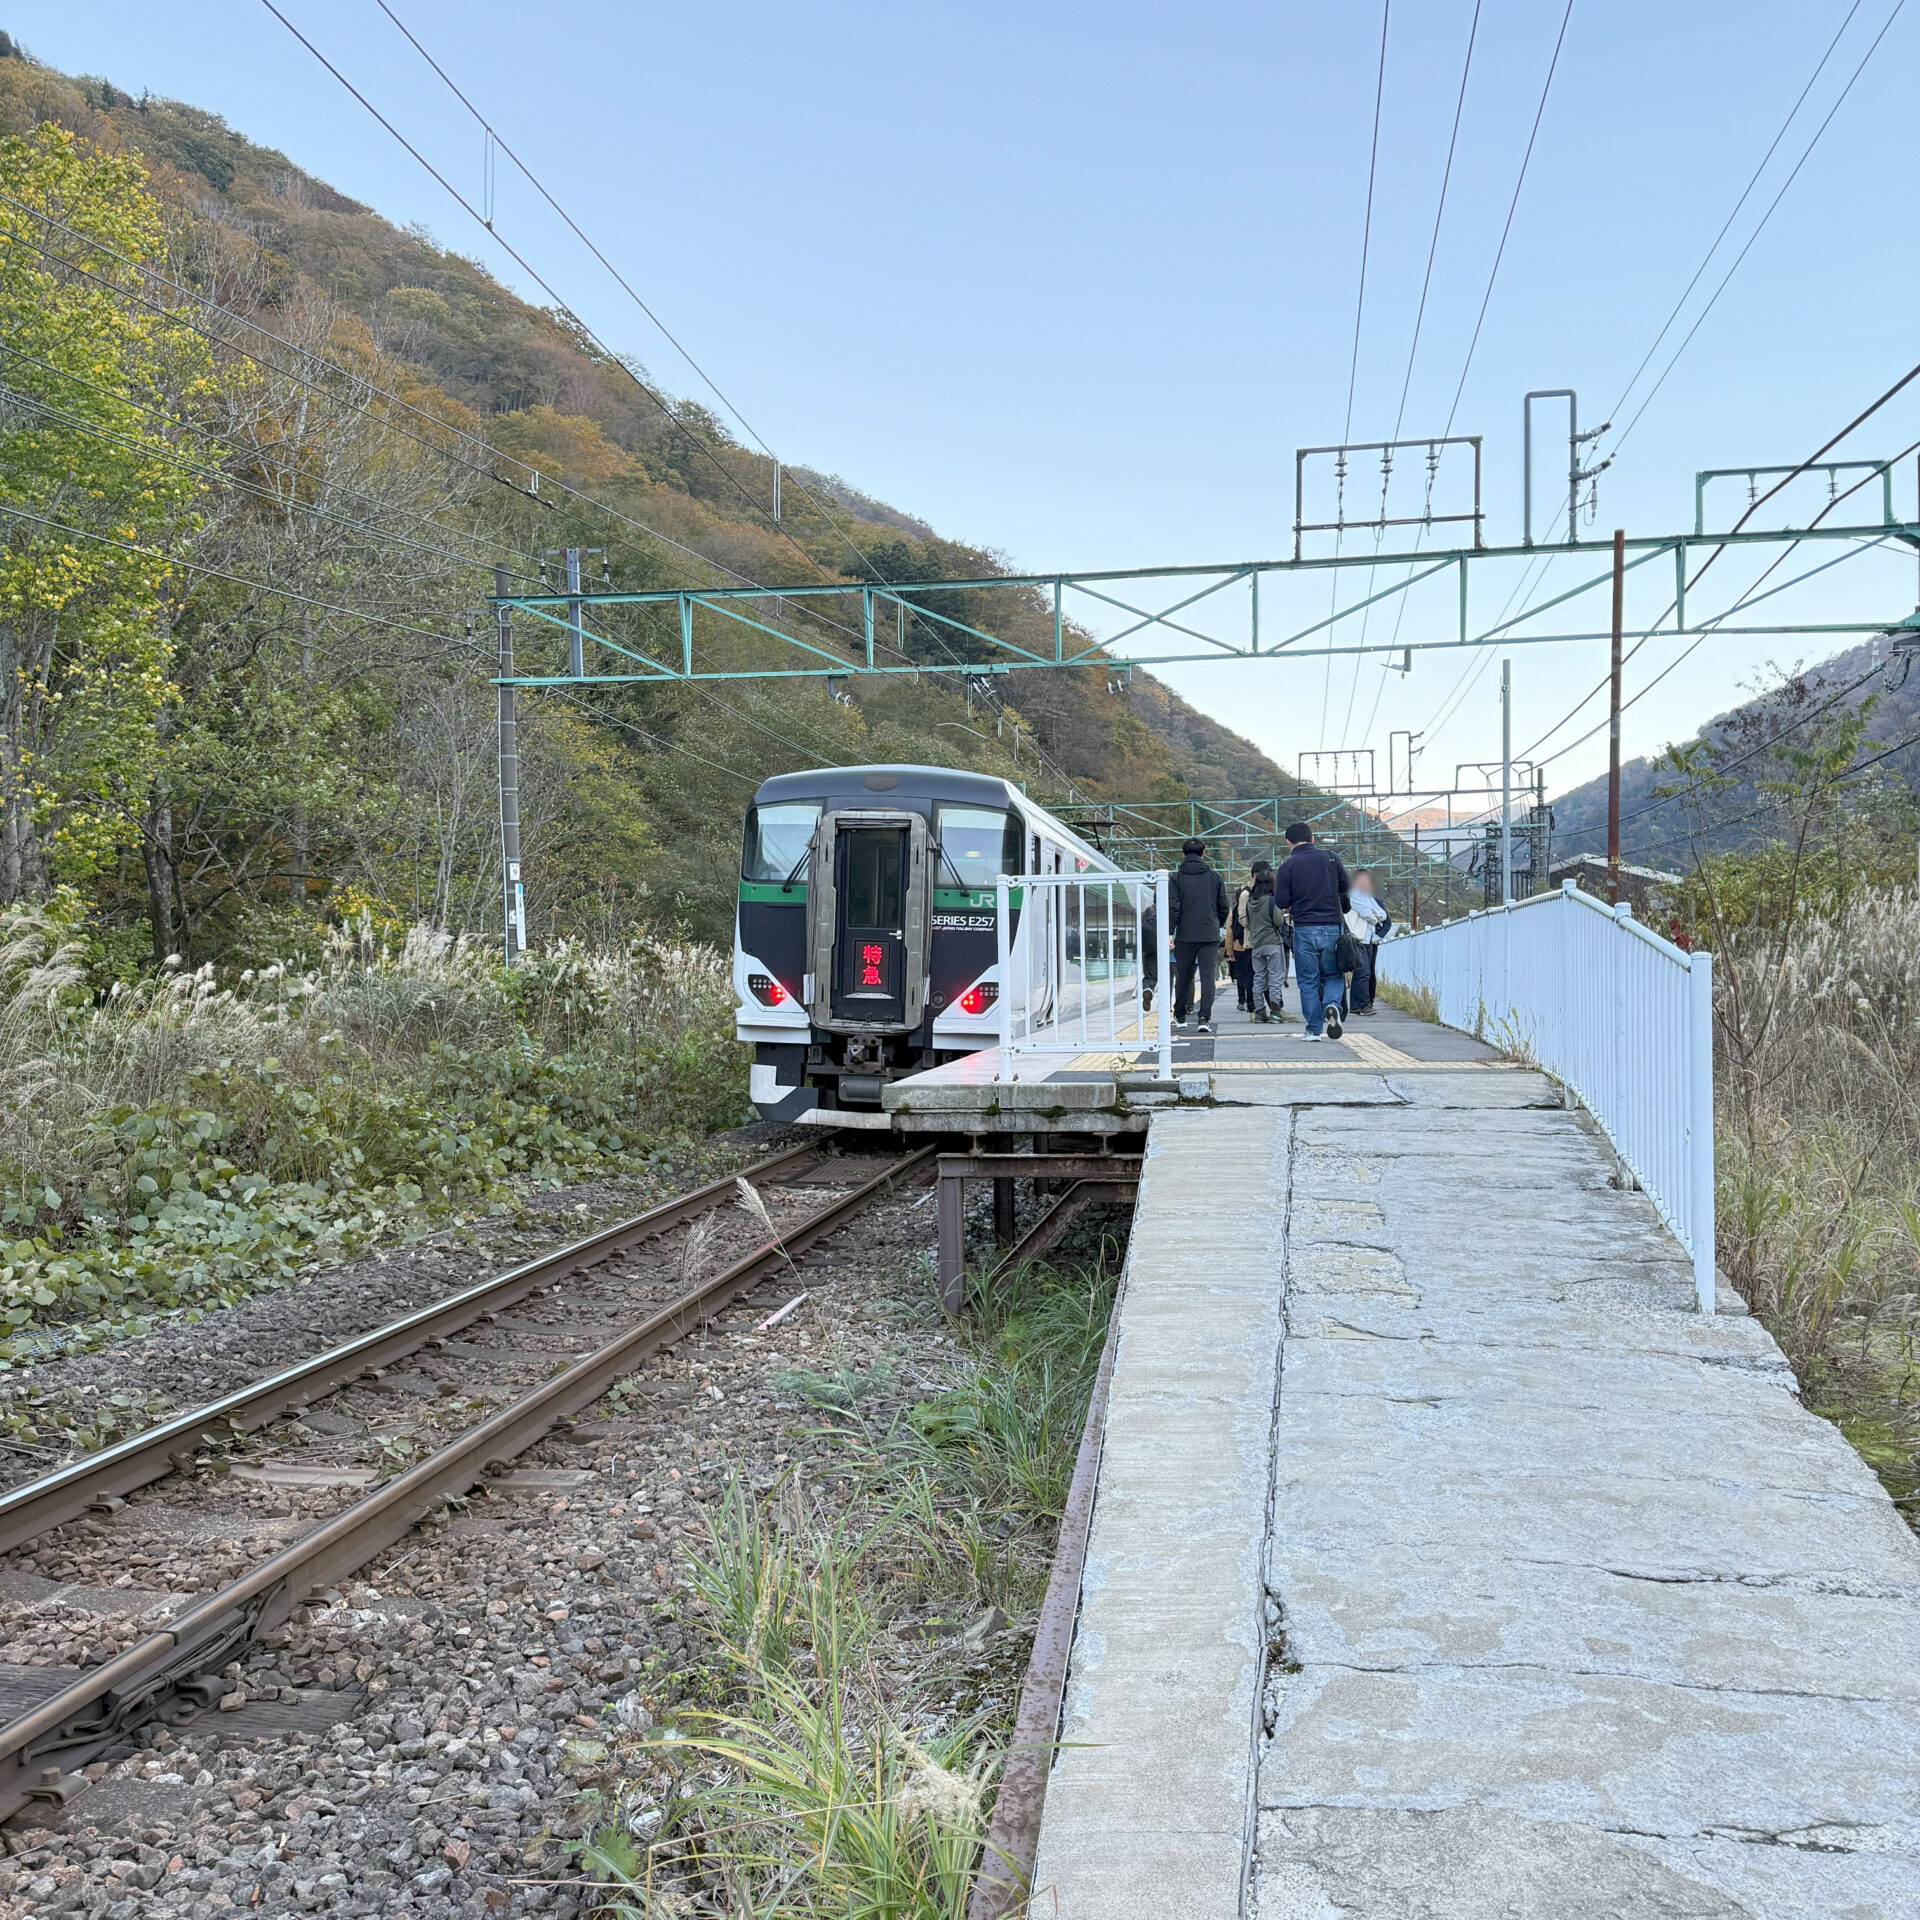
1091,1178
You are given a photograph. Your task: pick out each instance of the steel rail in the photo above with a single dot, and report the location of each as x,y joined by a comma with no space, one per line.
173,1674
35,1506
1003,1882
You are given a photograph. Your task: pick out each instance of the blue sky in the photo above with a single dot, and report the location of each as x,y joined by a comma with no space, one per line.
1073,283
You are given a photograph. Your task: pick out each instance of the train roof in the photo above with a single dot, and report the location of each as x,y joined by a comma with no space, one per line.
901,782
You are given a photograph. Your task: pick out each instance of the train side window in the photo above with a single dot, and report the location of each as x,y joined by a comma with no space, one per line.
776,838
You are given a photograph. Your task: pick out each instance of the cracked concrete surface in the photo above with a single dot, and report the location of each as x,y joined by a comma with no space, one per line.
1584,1614
1446,1564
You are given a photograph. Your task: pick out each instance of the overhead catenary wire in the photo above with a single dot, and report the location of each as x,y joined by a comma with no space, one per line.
1750,595
1726,227
1360,307
659,398
696,441
1413,348
441,640
1513,207
1806,154
1506,231
355,380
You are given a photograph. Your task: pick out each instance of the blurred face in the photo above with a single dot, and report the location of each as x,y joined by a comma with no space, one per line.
1363,883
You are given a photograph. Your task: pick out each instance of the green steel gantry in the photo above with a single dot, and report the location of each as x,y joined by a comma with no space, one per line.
845,622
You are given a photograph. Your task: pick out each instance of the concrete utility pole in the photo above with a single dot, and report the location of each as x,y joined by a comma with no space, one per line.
1613,722
1506,783
515,895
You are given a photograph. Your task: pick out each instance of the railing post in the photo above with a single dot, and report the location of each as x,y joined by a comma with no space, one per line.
1004,903
1700,1124
1164,972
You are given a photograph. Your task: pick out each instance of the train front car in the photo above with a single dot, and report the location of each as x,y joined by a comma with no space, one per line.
865,948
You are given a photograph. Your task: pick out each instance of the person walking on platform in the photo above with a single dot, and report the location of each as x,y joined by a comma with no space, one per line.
1368,922
1266,938
1240,952
1197,906
1312,885
1239,959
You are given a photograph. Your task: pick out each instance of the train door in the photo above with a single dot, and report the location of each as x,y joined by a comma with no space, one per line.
867,910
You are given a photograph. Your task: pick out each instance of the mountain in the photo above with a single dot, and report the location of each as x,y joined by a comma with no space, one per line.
1749,741
679,501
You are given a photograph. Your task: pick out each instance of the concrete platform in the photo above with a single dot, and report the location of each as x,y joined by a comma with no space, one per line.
1446,1564
1112,1090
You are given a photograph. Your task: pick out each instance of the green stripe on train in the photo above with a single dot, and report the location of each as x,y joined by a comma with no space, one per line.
946,899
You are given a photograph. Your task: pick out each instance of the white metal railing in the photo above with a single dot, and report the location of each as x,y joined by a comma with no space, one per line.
1070,971
1616,1013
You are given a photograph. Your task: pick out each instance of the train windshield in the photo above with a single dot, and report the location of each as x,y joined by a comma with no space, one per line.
777,837
979,844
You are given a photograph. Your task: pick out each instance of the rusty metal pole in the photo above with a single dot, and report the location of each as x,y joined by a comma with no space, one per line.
1416,877
1004,1232
1613,721
950,1206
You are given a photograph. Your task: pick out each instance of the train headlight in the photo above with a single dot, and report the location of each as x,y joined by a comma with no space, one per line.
767,990
978,999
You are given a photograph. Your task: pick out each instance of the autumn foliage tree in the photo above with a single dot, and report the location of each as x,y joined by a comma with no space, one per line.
99,486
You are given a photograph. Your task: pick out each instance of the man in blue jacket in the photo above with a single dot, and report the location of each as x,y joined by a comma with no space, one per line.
1197,906
1312,886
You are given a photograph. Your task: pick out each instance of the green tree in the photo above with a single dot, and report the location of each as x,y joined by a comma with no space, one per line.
95,495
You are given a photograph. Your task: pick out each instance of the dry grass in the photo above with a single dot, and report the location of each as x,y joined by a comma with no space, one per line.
1818,1049
180,1140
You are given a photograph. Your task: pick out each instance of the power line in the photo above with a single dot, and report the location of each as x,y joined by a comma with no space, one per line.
1413,349
695,441
658,397
1746,193
265,455
1805,156
1750,596
359,382
76,424
1513,206
1803,720
1359,310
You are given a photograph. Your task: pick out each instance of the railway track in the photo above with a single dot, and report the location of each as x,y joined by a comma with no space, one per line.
616,1293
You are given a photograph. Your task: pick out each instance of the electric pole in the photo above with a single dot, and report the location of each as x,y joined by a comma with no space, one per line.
514,894
1506,783
1613,721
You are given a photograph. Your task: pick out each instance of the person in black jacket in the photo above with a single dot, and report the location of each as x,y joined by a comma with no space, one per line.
1312,885
1197,907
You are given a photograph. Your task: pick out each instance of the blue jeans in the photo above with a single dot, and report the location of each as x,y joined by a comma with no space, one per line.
1320,984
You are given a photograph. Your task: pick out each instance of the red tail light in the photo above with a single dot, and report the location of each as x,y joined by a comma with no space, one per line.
767,990
979,999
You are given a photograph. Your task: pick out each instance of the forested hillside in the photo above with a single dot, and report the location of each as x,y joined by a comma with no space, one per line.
260,453
1861,704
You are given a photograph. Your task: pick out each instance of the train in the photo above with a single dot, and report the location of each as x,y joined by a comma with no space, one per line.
865,945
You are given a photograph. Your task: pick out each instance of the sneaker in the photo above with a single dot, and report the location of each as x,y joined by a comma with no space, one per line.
1369,1010
1262,1015
1334,1023
1146,999
1206,1026
1179,1025
1316,1036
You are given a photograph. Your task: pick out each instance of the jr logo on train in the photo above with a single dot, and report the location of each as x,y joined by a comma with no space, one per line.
866,946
